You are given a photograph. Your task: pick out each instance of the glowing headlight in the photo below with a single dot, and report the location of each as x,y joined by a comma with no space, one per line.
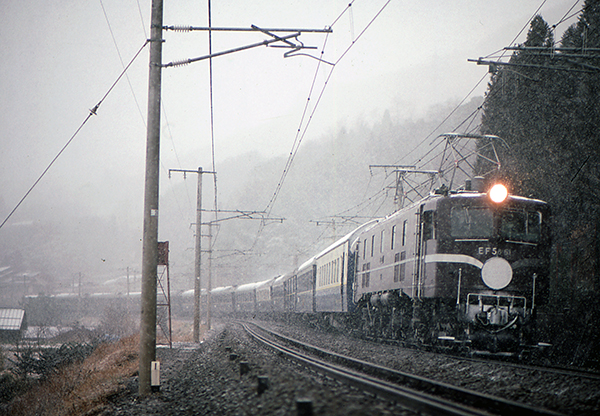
498,193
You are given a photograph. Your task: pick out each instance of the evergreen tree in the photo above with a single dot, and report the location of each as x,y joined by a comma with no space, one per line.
550,118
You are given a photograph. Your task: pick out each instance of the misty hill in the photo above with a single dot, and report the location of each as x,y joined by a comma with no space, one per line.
329,180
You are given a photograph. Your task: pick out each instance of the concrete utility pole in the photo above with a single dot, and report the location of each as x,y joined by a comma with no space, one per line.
209,287
198,251
150,241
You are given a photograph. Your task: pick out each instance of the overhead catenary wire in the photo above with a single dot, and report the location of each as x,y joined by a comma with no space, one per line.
297,137
138,105
470,119
567,16
504,51
301,132
303,128
212,120
122,63
92,112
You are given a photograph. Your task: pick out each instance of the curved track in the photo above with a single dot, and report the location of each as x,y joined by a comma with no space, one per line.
414,392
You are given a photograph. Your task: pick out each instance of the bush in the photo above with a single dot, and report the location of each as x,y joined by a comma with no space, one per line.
10,387
47,361
2,359
82,387
117,322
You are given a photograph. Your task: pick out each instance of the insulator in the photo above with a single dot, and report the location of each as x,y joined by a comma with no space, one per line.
180,63
181,28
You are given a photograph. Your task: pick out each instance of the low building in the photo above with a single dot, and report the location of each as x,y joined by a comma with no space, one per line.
13,324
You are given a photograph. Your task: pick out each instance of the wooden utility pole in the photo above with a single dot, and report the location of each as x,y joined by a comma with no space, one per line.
150,239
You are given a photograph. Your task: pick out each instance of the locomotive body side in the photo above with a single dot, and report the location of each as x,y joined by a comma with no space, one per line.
386,257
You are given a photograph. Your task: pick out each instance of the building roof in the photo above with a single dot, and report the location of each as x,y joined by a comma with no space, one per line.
11,319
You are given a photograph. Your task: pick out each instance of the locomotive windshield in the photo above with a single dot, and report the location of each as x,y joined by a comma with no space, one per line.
521,225
471,222
476,222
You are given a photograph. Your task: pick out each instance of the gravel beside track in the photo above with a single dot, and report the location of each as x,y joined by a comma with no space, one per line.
206,380
570,395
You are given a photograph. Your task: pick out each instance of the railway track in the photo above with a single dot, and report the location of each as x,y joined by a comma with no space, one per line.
414,392
507,361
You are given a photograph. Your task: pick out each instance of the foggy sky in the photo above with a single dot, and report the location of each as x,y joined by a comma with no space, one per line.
59,59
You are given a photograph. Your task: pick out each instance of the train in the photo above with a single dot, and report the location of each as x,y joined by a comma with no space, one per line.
462,269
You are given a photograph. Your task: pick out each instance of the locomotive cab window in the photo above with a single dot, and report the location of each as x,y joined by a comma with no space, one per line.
471,222
520,225
428,225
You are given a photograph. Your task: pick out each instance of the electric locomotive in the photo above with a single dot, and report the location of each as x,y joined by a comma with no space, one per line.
457,268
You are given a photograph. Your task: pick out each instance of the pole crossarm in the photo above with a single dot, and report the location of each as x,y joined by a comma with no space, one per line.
562,52
386,167
242,215
421,171
252,28
494,64
186,171
345,220
241,48
469,136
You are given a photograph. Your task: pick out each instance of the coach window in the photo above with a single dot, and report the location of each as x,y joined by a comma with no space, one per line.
402,265
404,226
372,244
396,267
393,239
365,249
381,241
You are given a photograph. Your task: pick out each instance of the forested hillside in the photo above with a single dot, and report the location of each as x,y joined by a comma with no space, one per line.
329,189
545,104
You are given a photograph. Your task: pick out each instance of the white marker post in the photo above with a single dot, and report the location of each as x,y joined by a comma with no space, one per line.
155,376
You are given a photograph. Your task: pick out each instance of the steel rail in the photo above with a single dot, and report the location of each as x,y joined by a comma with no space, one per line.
558,370
414,397
411,399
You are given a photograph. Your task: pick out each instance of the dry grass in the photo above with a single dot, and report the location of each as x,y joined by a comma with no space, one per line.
182,331
83,388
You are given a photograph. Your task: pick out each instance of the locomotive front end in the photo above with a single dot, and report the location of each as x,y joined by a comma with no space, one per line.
498,293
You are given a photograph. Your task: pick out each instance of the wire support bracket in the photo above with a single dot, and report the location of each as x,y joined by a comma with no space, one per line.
286,40
252,28
494,64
